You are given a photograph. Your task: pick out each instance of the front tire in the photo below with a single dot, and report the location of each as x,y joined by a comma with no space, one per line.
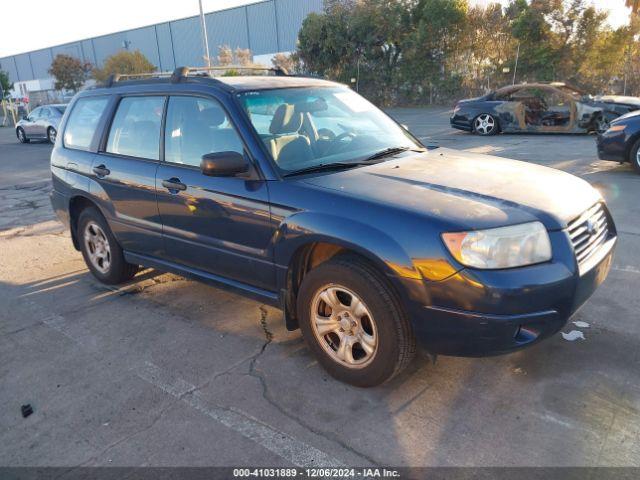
601,123
634,156
22,137
353,323
101,251
51,135
486,124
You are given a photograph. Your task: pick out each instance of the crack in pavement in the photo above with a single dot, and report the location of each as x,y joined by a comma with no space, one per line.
266,395
282,444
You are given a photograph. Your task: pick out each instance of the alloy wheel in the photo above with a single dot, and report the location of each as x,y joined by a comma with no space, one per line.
344,326
21,136
52,135
484,124
97,246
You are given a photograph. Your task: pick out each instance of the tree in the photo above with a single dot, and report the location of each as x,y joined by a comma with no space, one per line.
289,62
225,55
5,84
419,51
124,62
244,57
69,72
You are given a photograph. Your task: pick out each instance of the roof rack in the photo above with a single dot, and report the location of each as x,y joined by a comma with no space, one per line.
181,73
119,77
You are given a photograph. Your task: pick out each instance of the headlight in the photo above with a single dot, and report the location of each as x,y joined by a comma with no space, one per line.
615,128
504,247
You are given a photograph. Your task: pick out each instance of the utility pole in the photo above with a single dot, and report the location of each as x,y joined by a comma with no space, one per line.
205,41
515,69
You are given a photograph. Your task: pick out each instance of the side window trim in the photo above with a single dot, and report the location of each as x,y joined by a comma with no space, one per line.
113,109
232,122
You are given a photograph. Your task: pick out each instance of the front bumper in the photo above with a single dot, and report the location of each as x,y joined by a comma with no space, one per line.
507,310
461,122
612,146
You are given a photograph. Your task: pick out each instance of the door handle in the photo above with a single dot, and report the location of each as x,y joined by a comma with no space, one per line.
174,184
101,171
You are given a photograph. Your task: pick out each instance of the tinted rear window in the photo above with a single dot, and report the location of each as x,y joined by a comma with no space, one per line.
61,109
135,130
83,122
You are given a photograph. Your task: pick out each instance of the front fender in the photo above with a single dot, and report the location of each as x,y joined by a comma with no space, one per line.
304,228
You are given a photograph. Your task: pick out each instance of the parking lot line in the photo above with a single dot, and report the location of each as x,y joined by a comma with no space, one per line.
293,450
285,446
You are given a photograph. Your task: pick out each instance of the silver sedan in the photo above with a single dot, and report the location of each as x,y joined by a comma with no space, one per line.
41,124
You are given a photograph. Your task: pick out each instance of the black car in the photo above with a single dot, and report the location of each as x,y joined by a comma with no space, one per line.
302,194
621,141
539,107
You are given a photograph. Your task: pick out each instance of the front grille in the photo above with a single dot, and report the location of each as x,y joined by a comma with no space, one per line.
588,232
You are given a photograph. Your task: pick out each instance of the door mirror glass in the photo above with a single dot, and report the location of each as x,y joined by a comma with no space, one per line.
223,164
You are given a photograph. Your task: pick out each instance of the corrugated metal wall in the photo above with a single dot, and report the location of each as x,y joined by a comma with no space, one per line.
263,34
165,47
41,61
187,44
144,39
266,27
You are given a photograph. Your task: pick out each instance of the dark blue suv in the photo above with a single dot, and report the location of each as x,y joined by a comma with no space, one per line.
302,194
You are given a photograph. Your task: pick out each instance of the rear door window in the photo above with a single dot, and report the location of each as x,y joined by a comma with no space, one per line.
83,121
135,130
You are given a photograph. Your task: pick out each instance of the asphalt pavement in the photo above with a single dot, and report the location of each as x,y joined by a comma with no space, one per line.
165,371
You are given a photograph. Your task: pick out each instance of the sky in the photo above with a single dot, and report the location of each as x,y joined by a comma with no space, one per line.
52,23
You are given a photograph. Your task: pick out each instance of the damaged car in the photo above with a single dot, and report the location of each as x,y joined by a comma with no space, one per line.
540,108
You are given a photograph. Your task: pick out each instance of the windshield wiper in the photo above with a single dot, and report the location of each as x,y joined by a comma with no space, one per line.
323,167
390,151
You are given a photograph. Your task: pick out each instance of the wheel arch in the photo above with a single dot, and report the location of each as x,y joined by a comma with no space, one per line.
310,240
629,146
77,204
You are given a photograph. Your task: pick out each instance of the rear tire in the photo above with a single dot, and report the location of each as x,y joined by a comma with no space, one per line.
22,137
100,249
634,156
345,301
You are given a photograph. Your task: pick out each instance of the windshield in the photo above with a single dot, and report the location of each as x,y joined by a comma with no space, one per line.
61,108
307,127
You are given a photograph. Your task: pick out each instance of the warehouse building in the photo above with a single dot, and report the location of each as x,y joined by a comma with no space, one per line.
265,28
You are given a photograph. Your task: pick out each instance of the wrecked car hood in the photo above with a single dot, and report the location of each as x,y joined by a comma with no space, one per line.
467,190
620,99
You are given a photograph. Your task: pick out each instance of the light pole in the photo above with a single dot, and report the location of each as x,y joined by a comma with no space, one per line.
205,41
515,68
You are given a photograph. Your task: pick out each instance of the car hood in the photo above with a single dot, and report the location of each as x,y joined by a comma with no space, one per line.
626,116
619,99
467,190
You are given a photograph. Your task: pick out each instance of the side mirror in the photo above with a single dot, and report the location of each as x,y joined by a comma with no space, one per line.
25,117
223,164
